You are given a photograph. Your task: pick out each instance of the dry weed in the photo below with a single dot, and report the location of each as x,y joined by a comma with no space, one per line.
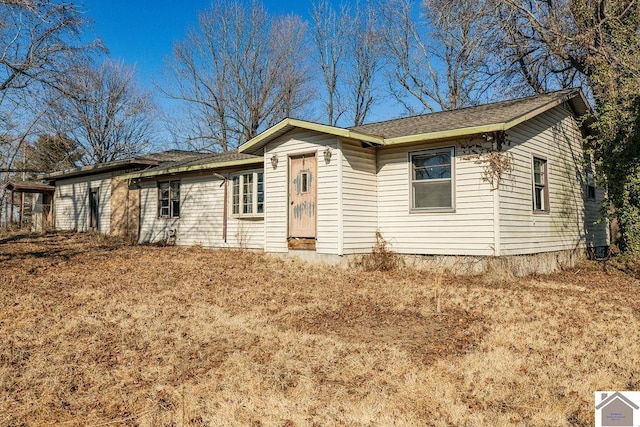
381,258
94,332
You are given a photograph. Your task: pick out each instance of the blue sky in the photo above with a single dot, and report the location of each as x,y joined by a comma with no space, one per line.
142,33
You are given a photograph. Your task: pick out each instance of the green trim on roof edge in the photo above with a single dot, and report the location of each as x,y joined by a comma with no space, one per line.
205,166
257,141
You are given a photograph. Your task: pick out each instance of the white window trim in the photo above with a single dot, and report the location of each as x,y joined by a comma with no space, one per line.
254,213
170,215
452,208
546,197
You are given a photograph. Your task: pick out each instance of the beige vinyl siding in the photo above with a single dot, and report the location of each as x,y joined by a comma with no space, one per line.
276,189
71,204
554,136
201,216
359,197
467,231
596,227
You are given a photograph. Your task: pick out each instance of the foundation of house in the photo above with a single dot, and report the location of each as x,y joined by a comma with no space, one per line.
518,265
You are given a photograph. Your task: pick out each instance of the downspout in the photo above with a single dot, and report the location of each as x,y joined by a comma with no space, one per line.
127,230
135,182
224,208
11,208
52,208
21,209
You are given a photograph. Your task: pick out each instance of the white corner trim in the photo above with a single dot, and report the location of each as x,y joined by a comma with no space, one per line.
340,201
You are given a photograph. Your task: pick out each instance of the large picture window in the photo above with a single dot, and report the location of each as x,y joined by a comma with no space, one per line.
248,194
432,179
169,199
540,185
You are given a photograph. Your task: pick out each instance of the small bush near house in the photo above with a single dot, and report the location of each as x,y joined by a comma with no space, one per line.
381,258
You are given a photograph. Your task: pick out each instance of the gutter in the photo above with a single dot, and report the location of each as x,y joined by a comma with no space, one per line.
183,169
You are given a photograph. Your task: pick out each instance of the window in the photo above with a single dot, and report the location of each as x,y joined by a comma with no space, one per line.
431,179
248,194
540,185
169,199
591,186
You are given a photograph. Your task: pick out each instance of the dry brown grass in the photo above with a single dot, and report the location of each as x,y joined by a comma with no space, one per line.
95,332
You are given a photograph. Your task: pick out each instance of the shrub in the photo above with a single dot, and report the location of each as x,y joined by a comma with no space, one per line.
381,257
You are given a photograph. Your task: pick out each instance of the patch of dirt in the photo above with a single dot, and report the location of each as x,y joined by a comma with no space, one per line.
427,337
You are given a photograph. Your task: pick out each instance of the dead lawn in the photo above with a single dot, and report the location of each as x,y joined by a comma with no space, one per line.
96,332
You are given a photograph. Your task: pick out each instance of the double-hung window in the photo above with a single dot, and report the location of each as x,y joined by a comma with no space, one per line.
169,199
590,189
432,179
248,194
591,186
540,185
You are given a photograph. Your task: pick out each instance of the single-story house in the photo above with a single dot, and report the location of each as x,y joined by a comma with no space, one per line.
501,179
97,198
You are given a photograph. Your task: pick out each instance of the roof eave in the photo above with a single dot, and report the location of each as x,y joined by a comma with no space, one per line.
28,188
259,141
195,168
446,134
95,169
494,127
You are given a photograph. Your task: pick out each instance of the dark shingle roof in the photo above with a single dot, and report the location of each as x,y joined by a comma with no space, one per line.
163,159
481,115
210,158
172,156
204,162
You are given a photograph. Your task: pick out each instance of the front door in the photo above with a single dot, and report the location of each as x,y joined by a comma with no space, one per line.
302,197
94,201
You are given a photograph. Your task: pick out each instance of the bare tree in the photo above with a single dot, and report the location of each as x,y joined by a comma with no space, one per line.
287,41
331,34
106,115
237,73
538,45
437,62
39,42
364,62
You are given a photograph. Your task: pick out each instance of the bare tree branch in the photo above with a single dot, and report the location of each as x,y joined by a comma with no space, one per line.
240,71
108,118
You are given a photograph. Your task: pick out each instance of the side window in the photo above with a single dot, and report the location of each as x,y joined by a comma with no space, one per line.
169,199
163,200
591,186
236,195
247,193
540,185
432,179
260,193
247,196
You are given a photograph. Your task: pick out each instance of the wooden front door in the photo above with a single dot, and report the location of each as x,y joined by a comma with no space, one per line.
302,197
94,202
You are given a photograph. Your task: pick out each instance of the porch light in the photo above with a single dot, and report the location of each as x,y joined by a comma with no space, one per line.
327,154
274,161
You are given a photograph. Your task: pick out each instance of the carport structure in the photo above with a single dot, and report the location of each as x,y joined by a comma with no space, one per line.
40,212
